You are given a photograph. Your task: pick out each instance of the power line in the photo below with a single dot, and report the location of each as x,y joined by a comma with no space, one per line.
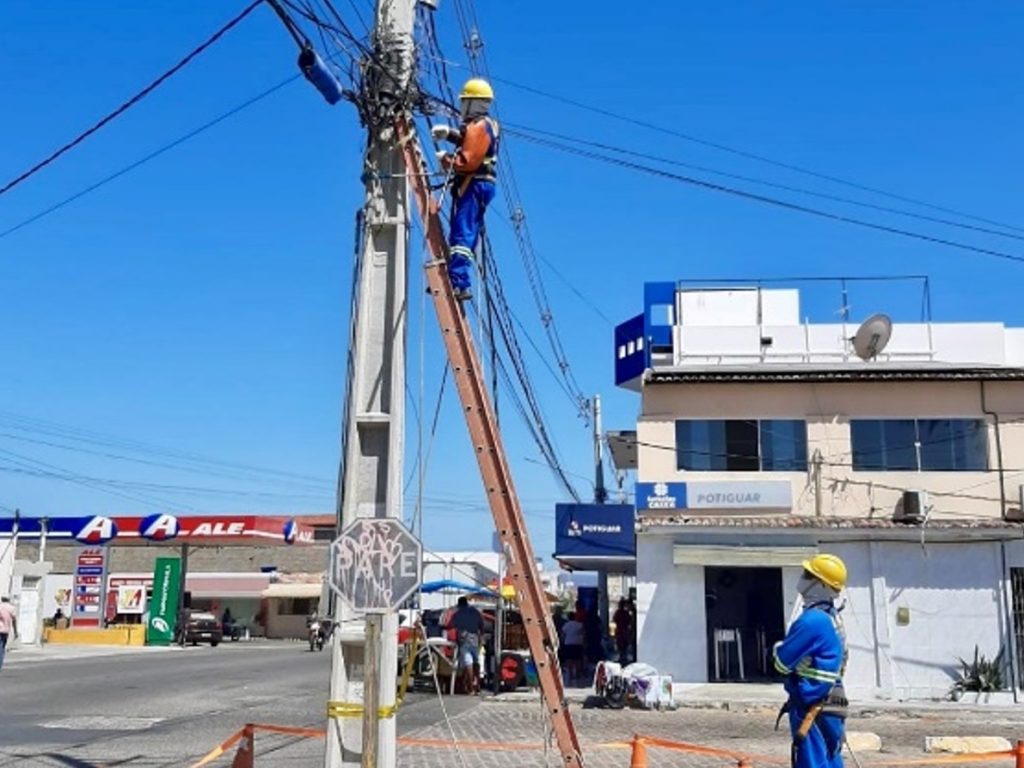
746,154
151,156
753,196
203,464
763,182
133,100
473,43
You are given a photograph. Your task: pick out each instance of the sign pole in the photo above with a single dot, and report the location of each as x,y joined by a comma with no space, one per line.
371,691
376,564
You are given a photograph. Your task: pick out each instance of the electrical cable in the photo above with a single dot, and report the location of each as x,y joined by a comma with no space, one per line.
133,100
746,154
151,156
514,128
755,197
469,27
203,464
530,411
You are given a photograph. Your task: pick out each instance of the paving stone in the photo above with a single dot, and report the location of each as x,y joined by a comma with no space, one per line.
966,745
864,741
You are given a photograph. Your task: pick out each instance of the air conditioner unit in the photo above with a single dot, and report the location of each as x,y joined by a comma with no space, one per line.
912,508
1016,514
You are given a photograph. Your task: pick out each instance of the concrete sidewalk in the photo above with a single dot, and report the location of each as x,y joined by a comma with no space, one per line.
34,653
757,696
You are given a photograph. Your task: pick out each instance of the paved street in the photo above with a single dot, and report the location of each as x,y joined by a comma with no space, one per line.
166,707
169,707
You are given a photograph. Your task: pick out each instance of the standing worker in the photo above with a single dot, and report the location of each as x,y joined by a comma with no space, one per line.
473,166
813,658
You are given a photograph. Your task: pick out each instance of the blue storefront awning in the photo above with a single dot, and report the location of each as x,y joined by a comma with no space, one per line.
596,537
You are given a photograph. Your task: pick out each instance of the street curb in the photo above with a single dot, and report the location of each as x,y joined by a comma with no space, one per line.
966,745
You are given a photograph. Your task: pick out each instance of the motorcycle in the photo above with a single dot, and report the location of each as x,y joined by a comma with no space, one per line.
319,633
316,640
635,684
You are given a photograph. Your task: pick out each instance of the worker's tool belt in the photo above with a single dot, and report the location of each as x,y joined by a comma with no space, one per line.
487,171
835,704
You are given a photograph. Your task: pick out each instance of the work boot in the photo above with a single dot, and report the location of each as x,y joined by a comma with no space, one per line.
463,294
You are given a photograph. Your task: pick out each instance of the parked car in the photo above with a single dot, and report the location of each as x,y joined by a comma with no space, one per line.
202,627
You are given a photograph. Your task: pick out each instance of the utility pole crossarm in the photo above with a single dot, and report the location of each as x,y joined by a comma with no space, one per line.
490,453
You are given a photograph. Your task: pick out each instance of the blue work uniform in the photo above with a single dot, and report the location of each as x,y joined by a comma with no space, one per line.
813,657
472,192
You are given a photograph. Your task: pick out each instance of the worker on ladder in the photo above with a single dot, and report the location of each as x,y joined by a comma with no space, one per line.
472,167
813,658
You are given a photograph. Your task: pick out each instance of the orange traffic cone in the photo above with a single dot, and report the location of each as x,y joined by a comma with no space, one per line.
246,749
639,756
1019,754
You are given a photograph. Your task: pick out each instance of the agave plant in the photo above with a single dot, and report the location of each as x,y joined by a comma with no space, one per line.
983,675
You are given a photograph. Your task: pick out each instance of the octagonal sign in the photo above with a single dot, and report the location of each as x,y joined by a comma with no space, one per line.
376,564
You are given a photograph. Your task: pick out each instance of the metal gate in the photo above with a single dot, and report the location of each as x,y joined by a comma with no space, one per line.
1017,580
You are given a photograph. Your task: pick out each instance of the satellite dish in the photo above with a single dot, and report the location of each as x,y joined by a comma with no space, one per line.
872,336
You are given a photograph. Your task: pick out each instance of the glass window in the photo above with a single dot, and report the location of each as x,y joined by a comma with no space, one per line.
783,445
737,445
953,445
929,445
884,445
700,445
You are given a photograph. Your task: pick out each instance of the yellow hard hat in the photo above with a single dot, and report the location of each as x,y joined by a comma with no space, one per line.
828,569
477,88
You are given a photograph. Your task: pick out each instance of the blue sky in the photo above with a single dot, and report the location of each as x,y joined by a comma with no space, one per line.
199,304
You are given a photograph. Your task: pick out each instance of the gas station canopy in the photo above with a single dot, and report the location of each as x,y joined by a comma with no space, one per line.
216,530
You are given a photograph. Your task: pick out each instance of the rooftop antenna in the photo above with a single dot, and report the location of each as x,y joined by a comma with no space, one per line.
872,336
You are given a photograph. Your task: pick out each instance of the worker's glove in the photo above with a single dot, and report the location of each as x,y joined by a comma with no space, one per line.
440,132
444,159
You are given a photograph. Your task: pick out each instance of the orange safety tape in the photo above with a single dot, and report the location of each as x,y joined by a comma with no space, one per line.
498,746
219,750
312,733
700,749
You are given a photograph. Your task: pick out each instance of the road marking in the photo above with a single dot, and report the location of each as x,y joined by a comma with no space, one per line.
104,723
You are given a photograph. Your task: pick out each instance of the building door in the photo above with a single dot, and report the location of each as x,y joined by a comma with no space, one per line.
28,610
744,608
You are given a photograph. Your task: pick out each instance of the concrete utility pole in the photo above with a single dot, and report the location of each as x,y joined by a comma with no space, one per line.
374,432
600,497
600,494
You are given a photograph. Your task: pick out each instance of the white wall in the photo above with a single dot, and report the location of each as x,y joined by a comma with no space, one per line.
671,622
952,591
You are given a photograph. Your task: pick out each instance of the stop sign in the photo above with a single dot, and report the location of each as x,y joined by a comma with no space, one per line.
376,565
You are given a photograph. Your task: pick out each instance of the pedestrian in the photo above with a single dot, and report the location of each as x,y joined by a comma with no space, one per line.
623,631
8,625
813,658
572,650
473,168
468,624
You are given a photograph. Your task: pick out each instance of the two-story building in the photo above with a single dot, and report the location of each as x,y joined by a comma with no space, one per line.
763,439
